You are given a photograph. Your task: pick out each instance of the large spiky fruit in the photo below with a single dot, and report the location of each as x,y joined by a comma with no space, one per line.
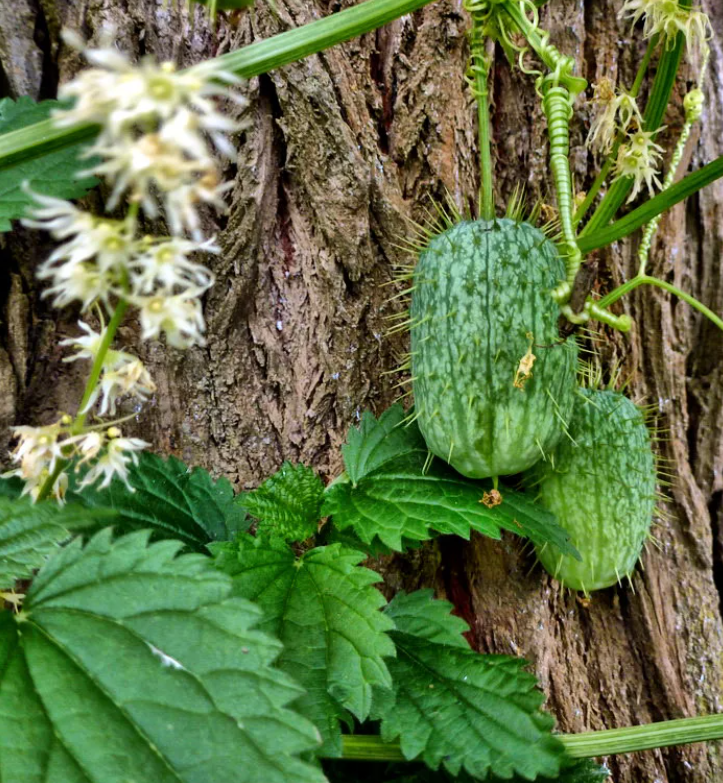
493,382
600,482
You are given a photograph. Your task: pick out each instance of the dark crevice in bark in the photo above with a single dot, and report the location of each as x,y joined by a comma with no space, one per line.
4,84
50,76
456,583
716,520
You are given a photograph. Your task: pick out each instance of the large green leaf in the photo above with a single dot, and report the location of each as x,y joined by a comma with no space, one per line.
452,706
172,500
325,610
53,174
31,532
391,492
129,663
288,503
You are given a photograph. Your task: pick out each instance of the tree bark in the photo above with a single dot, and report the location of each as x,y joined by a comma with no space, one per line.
341,149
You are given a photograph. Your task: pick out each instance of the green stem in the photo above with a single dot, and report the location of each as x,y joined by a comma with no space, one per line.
587,744
49,482
643,279
547,53
590,240
97,368
257,58
610,160
486,196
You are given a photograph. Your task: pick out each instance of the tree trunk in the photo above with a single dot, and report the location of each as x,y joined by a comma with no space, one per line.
340,150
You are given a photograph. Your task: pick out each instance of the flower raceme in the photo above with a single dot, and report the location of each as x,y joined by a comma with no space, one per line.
667,18
154,123
160,135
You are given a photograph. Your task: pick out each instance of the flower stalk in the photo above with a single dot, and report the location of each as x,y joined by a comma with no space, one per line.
589,744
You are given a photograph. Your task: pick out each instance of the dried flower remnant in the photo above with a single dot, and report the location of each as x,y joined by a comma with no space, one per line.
614,111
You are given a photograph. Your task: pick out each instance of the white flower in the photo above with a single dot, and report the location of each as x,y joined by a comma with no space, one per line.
37,453
122,374
166,265
181,203
146,164
119,454
89,445
668,18
178,316
87,347
122,96
126,375
614,111
155,129
34,484
78,283
640,158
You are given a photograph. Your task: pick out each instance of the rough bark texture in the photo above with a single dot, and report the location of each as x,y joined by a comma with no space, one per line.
340,150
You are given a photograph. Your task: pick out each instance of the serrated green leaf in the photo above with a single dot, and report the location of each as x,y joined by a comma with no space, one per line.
130,663
420,615
31,532
171,499
452,706
396,494
325,610
54,174
378,441
288,503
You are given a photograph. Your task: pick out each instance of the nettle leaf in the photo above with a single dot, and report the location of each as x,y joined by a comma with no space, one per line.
130,663
171,499
53,174
453,706
31,532
391,492
325,610
378,441
289,502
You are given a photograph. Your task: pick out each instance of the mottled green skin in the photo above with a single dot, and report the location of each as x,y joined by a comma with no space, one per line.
479,288
600,483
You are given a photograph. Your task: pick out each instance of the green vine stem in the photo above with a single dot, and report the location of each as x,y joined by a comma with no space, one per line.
643,279
257,58
477,78
560,65
587,744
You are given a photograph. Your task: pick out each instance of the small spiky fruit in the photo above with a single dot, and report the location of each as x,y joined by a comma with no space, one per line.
600,483
493,382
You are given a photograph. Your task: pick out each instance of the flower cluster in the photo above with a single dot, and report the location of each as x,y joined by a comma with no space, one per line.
668,18
154,127
160,135
40,450
614,111
639,158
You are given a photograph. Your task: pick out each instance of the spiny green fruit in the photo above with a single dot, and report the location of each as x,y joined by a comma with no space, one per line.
493,383
600,483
